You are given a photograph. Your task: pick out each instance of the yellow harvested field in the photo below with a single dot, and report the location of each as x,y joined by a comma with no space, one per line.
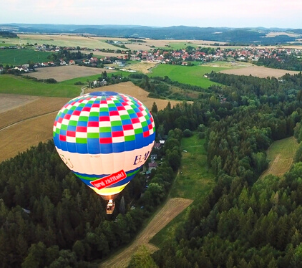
259,71
66,40
9,101
20,110
143,66
19,137
273,34
62,73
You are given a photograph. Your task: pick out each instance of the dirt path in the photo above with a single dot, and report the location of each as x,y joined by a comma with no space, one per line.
171,209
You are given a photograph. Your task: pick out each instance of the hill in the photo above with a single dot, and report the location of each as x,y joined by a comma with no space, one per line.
219,34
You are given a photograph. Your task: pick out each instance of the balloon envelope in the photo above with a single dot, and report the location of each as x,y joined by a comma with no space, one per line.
104,138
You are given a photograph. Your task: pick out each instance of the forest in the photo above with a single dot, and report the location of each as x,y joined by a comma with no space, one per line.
48,218
286,62
8,34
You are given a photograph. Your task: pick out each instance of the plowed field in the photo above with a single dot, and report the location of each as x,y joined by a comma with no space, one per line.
259,71
66,72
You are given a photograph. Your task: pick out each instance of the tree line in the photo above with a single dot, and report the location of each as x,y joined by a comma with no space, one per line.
244,221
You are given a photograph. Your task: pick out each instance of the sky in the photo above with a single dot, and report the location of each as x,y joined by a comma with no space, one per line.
162,13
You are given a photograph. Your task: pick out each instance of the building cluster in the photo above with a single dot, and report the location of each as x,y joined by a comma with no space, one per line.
251,53
179,56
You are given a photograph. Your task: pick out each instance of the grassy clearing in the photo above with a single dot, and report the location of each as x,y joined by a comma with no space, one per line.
280,156
193,75
22,56
194,181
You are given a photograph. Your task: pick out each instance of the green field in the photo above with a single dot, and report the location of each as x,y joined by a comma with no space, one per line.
194,181
180,45
19,85
22,56
192,75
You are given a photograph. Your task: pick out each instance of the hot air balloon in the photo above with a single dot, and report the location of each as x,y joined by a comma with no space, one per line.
104,138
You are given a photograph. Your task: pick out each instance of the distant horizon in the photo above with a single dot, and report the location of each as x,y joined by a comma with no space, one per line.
191,13
152,26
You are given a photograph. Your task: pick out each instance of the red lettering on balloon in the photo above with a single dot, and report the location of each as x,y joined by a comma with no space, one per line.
109,180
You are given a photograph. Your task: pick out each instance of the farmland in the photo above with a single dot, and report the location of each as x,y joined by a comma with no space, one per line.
99,42
18,85
22,56
193,75
27,120
63,73
258,71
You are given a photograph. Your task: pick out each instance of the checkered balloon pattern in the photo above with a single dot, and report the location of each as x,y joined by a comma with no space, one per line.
103,122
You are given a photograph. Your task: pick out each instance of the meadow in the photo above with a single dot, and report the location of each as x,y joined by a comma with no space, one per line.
194,181
22,56
18,85
192,75
280,156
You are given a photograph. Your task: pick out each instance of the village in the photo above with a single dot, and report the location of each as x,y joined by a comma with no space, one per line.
186,57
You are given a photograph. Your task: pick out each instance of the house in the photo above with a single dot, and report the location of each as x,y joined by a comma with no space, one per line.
62,62
71,62
119,63
162,142
152,165
93,60
153,157
157,145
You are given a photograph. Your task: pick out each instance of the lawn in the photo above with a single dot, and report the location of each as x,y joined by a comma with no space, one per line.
192,75
194,181
22,56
